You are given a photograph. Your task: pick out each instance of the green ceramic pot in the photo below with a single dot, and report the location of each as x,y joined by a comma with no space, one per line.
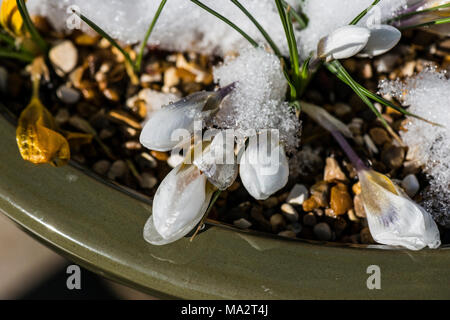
99,226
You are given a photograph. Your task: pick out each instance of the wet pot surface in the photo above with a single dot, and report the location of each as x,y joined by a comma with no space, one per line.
100,228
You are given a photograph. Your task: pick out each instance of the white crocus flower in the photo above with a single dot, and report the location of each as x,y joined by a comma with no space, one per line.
178,206
343,43
264,167
382,39
348,41
394,219
160,131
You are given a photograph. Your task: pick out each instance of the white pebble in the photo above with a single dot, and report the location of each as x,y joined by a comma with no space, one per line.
64,56
411,185
298,195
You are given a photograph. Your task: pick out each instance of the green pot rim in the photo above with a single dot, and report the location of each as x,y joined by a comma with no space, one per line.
100,228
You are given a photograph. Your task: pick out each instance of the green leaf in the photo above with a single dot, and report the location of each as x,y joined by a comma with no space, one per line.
260,28
231,24
30,26
147,35
363,13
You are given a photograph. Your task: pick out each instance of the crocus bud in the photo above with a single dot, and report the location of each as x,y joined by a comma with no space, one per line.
382,39
264,167
158,133
178,206
394,219
343,43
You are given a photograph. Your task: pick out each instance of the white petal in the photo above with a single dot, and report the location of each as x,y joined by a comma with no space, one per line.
218,161
382,39
393,218
157,132
261,173
178,205
343,43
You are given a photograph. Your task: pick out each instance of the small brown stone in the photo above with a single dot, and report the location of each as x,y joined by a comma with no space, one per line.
277,222
161,156
393,156
310,204
379,136
333,171
356,188
288,234
310,219
340,200
319,192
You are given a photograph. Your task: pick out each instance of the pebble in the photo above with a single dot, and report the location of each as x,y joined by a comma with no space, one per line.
359,207
106,133
298,195
333,171
340,200
242,223
81,124
319,192
257,213
322,231
3,80
287,234
62,116
339,226
68,95
352,216
379,136
386,62
101,167
411,185
161,156
341,109
289,212
64,56
277,222
147,181
310,219
174,160
117,170
310,204
355,126
393,156
356,188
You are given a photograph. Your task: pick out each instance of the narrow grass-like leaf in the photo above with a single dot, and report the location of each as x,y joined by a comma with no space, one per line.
426,24
260,28
231,24
301,19
101,32
387,103
22,56
147,35
363,13
7,39
336,68
413,13
30,26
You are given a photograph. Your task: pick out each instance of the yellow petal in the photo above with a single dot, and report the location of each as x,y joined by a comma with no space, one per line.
37,139
10,18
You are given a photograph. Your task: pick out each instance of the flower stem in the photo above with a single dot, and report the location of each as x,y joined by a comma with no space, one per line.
211,204
351,154
147,35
